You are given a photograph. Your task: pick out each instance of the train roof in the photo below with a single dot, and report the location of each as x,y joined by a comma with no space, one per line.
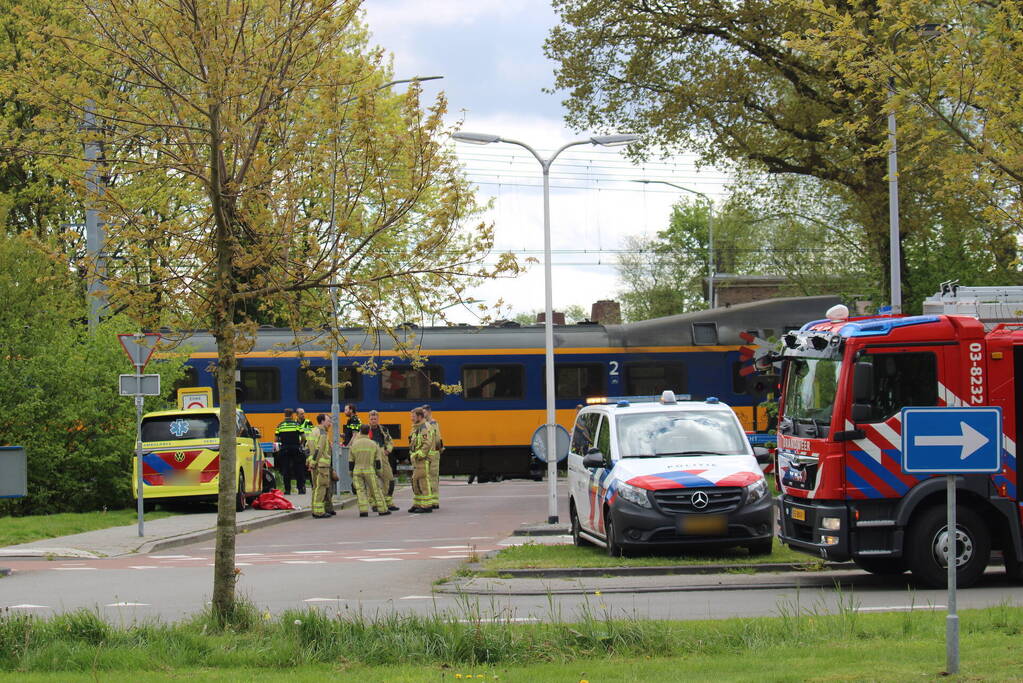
713,327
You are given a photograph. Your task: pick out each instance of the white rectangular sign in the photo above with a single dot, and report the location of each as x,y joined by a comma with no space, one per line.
140,385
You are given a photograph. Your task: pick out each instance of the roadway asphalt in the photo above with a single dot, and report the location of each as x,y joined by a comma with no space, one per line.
383,565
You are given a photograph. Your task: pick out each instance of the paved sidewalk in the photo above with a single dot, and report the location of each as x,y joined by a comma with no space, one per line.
168,532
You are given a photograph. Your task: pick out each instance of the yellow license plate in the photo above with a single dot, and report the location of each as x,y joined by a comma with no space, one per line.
799,513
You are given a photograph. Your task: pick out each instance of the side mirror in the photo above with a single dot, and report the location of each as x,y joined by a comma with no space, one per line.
763,455
861,412
593,459
863,382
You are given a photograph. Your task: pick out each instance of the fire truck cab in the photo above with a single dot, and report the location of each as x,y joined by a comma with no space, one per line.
845,382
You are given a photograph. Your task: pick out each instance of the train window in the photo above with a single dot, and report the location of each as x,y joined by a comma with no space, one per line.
648,379
260,385
705,334
492,381
577,380
314,384
406,383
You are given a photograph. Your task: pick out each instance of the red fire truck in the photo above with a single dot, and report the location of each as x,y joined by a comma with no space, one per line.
845,381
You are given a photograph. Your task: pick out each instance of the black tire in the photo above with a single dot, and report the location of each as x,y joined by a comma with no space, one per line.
882,566
241,502
577,537
761,547
1013,567
924,546
614,546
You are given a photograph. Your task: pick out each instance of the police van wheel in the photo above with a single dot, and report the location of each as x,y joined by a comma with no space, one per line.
928,540
614,546
577,537
241,503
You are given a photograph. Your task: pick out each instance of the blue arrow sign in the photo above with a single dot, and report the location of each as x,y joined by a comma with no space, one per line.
951,440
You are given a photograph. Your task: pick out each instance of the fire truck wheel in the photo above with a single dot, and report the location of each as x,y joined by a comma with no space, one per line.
926,547
882,566
241,503
577,537
1013,567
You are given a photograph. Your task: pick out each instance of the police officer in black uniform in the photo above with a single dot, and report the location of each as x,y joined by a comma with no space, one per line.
290,460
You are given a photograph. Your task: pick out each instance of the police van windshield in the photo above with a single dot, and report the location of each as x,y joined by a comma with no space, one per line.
810,388
180,427
690,432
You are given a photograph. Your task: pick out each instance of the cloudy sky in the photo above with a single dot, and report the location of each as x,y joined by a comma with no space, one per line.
490,53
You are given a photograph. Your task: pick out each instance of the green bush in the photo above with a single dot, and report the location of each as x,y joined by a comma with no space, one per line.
58,388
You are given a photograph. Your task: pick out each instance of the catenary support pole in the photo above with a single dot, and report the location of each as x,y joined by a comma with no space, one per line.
894,247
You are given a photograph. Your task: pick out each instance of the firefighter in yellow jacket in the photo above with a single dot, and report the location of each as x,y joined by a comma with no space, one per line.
318,463
363,461
438,448
385,474
420,443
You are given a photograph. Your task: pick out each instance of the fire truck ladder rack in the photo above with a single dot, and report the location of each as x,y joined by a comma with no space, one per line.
990,305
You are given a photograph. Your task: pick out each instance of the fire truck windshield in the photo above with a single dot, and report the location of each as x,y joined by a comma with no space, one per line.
810,388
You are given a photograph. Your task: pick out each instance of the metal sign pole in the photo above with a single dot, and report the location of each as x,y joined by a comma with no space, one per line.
138,444
952,620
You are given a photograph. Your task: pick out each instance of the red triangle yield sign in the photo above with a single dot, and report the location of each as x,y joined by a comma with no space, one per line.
139,347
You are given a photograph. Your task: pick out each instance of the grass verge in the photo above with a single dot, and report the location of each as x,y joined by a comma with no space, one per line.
15,530
802,644
534,556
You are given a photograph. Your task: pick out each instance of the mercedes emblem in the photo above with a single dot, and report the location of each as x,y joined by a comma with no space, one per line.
700,500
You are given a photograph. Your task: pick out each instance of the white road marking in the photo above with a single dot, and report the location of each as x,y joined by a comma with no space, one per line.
144,566
128,604
72,569
479,538
27,606
313,552
187,559
381,559
248,554
382,550
304,562
417,597
323,600
448,557
899,608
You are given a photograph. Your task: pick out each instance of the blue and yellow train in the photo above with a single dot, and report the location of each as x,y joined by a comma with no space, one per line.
487,425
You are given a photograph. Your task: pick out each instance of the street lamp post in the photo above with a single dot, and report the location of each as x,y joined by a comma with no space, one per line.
710,232
345,478
545,165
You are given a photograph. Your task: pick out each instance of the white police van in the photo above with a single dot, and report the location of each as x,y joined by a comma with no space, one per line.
654,472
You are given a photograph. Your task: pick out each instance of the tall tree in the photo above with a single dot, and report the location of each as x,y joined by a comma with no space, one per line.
949,70
725,80
257,157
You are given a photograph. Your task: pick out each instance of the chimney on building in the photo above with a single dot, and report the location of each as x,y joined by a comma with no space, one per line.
558,317
606,312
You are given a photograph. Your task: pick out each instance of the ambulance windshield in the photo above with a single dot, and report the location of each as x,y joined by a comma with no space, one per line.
180,427
690,432
810,388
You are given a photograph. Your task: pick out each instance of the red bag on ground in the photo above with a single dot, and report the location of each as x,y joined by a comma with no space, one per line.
273,500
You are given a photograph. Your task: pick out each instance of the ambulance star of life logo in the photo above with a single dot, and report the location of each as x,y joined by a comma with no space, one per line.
179,428
179,456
